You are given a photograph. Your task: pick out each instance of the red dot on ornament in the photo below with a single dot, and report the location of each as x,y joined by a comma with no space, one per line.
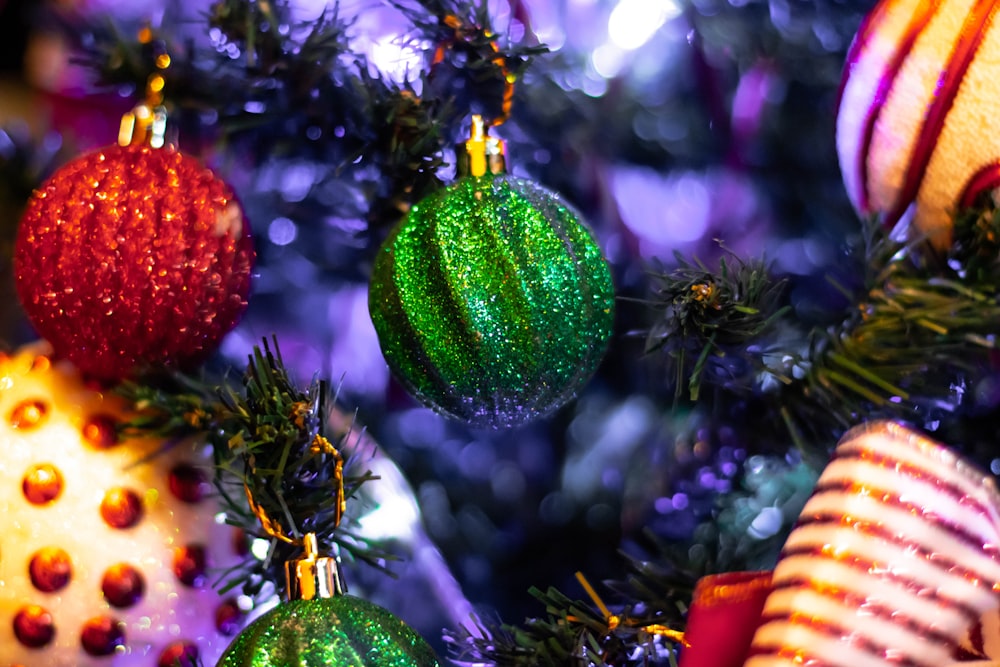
28,414
229,617
41,364
188,483
121,508
241,542
101,635
101,431
50,569
42,484
122,585
179,654
33,626
190,565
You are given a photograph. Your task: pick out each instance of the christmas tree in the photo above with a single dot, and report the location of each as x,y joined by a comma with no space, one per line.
609,333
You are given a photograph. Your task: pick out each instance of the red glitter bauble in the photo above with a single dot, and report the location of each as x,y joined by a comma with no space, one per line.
133,257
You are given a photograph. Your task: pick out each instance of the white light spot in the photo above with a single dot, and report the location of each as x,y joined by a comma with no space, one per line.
282,231
259,548
397,59
395,518
229,221
608,60
633,22
766,524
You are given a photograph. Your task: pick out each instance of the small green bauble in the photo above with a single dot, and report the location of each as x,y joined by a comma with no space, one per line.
492,301
341,631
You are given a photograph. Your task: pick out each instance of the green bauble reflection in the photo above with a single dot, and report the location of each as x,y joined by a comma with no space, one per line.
492,301
341,631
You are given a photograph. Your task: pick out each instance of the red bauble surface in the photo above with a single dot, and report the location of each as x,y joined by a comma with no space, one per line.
133,257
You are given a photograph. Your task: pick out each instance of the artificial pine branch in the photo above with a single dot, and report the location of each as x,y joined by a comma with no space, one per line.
280,88
916,342
572,632
709,322
919,334
262,439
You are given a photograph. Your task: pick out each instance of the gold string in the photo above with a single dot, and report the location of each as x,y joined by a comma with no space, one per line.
270,526
461,30
146,122
321,445
273,528
614,621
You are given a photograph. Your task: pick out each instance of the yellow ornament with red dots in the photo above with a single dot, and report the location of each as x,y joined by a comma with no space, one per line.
107,552
919,102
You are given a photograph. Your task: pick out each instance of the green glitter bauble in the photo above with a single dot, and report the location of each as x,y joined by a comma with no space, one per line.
342,631
492,301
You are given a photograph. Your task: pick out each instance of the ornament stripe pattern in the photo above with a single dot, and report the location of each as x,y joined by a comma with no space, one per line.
897,523
919,21
833,632
850,453
965,49
932,599
814,657
984,180
877,611
910,511
916,106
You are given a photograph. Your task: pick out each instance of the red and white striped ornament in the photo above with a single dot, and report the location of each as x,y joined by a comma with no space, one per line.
920,97
895,558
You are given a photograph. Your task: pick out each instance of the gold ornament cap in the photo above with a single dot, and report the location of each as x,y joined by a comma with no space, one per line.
146,123
313,576
483,154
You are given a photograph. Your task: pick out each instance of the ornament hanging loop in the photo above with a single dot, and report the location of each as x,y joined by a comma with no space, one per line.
462,33
319,446
146,123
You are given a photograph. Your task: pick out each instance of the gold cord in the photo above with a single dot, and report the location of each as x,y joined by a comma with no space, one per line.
461,30
273,528
147,121
614,621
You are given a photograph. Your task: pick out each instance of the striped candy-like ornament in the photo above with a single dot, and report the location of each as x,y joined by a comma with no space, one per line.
894,559
916,133
492,301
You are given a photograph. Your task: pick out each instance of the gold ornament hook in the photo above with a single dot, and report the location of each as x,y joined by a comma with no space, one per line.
313,576
147,121
483,154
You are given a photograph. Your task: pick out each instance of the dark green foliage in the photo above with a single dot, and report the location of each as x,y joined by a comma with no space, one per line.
707,319
261,439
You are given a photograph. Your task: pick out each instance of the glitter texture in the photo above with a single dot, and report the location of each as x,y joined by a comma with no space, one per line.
342,631
492,302
133,256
